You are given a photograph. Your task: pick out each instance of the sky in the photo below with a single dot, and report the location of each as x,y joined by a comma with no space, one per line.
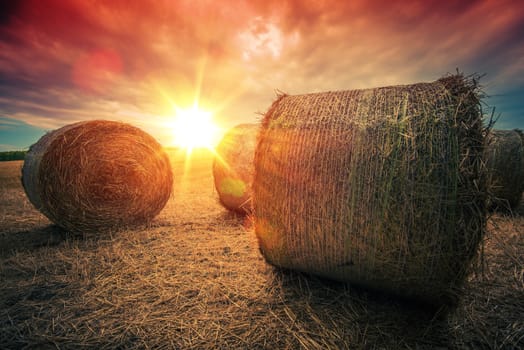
63,61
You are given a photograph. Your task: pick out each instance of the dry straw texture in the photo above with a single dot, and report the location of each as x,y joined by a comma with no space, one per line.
381,187
233,167
505,162
194,279
97,175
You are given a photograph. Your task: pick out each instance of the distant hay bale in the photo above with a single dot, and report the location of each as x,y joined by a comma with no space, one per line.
233,167
97,175
505,163
384,187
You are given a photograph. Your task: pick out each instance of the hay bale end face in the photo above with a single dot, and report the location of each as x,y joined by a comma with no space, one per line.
383,187
505,163
97,175
233,167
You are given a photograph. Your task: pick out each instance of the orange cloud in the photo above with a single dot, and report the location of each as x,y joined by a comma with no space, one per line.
97,70
64,61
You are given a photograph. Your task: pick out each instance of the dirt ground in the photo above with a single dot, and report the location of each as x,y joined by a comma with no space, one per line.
195,279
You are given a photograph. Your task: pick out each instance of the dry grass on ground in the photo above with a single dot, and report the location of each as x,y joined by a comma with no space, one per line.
195,279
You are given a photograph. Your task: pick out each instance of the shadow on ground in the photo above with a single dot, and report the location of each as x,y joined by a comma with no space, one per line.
45,236
358,316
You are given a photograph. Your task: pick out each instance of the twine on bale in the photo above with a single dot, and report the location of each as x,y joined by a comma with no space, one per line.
381,187
97,175
505,163
233,167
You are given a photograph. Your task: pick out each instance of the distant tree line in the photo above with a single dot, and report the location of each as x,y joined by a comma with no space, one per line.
12,155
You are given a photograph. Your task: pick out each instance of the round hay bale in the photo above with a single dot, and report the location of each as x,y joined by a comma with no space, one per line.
381,187
97,175
505,163
233,167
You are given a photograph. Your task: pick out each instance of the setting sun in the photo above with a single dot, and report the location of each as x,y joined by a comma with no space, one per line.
194,128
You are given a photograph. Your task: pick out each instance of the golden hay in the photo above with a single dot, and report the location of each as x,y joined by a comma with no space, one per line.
381,187
505,163
97,175
233,167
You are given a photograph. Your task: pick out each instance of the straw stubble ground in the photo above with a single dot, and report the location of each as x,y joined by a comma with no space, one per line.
195,279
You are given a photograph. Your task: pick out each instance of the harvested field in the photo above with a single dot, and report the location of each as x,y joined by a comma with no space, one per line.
194,279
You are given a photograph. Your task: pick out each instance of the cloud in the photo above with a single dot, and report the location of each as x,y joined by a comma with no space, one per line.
7,124
65,61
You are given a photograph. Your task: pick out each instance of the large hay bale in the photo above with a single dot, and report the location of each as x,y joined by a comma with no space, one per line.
380,187
505,163
233,167
97,175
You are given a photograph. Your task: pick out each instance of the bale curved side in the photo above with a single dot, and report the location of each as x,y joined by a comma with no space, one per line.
233,167
380,187
97,175
30,173
505,163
